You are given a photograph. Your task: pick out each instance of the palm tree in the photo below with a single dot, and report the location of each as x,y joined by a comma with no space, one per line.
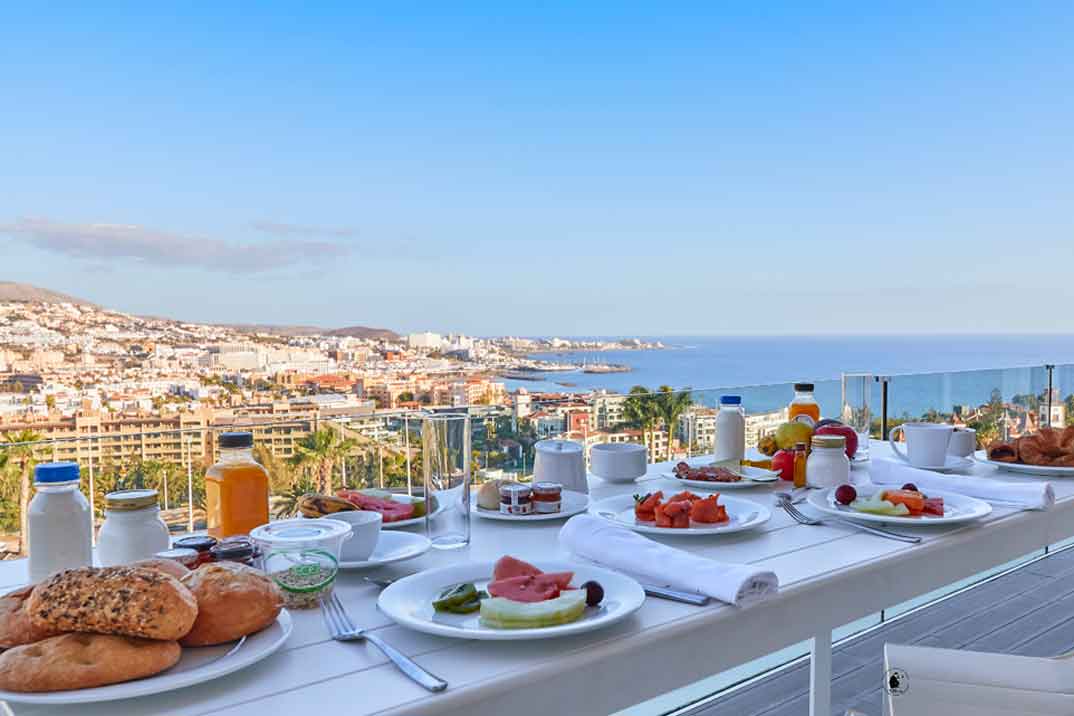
639,411
318,452
18,457
670,405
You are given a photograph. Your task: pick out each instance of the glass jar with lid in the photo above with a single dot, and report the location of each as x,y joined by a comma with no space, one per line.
132,528
828,465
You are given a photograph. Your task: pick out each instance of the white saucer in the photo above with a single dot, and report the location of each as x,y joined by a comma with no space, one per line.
953,462
392,547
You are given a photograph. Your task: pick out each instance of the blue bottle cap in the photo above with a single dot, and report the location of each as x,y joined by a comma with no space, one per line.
53,472
730,400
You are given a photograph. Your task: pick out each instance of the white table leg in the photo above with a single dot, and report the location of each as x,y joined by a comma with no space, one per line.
820,675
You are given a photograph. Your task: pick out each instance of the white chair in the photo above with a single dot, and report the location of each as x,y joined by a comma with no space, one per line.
926,681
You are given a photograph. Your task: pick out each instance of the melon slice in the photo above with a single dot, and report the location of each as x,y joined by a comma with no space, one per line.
500,613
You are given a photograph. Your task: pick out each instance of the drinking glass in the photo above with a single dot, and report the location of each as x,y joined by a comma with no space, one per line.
445,452
855,413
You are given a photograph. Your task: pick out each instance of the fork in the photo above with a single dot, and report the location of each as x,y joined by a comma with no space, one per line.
342,628
784,501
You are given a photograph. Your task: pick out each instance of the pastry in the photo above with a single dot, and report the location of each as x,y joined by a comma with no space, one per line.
114,600
1041,448
82,661
1003,451
15,626
233,600
167,566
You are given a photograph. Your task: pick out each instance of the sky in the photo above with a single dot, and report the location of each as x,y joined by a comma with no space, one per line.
597,168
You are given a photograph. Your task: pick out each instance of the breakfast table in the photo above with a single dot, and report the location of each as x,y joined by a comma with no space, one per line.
830,575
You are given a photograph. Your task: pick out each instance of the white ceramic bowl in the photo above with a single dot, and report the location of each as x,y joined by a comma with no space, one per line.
618,462
365,528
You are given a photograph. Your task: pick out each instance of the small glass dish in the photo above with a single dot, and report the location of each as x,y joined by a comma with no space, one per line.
304,575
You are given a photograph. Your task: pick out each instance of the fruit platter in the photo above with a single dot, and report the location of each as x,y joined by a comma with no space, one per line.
706,475
511,599
684,513
906,505
397,510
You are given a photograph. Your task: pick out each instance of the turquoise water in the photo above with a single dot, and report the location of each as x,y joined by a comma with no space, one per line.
961,369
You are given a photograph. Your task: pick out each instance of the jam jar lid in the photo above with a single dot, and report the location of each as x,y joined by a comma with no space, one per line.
234,549
201,543
182,555
513,489
547,488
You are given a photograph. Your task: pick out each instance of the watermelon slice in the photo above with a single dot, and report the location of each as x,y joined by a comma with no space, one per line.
391,510
934,506
531,587
507,567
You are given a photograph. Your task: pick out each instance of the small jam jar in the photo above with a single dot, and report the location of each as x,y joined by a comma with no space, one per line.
547,497
184,556
202,544
516,499
235,549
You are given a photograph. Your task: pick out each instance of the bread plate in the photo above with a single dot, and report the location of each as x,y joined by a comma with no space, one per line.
1019,467
195,666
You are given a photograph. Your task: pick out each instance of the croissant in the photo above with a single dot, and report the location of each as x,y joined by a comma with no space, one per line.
1003,451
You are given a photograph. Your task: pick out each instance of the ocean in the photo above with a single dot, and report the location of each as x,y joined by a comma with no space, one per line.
947,370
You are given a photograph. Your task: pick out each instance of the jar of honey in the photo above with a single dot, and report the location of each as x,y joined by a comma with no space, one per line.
236,488
804,407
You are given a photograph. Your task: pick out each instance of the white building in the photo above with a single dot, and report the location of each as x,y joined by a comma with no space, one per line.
426,340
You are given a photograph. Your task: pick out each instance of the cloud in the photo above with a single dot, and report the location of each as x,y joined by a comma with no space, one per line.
97,242
277,228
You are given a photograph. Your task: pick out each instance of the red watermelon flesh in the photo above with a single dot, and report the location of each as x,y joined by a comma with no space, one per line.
934,506
508,567
532,587
391,510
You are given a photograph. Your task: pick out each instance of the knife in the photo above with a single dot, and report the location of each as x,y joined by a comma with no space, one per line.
674,595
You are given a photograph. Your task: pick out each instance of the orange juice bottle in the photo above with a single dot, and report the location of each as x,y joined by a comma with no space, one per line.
804,407
236,488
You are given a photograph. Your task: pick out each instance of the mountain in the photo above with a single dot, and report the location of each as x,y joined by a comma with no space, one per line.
375,334
24,292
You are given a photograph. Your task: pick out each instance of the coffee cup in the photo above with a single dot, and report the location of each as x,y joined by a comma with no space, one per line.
926,443
963,442
365,531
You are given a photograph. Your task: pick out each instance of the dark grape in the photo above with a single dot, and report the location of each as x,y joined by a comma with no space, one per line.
594,593
910,486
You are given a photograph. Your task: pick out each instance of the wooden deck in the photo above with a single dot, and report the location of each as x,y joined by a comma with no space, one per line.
1028,611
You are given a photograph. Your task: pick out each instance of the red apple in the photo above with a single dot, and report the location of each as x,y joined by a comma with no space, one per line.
783,463
844,430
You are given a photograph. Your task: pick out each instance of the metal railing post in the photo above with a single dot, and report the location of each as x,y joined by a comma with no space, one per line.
1047,420
883,380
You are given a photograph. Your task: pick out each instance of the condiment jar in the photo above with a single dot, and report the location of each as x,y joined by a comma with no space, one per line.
60,526
132,528
235,549
302,556
516,499
202,544
547,497
184,556
828,465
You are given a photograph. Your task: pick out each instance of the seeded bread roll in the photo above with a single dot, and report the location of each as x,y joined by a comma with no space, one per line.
233,600
114,600
83,661
15,626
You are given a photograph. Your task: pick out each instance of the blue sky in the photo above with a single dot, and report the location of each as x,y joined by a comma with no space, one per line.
535,168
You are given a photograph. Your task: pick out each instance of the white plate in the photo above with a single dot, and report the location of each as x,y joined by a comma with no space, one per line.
982,456
572,503
744,515
196,666
392,547
752,477
951,463
957,508
413,520
408,602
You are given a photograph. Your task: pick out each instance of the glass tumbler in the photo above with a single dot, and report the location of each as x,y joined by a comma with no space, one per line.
445,452
856,414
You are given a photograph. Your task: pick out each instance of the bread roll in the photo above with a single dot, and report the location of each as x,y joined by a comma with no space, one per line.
167,566
114,600
15,626
82,661
233,600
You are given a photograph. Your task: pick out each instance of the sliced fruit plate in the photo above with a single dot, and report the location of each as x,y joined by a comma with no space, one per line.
394,507
739,514
511,612
704,474
903,506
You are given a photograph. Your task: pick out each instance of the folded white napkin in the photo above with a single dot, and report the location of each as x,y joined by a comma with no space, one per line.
623,550
892,472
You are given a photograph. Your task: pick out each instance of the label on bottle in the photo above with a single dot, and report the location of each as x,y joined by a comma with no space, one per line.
803,418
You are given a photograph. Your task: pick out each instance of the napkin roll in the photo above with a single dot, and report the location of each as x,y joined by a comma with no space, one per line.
1030,495
624,550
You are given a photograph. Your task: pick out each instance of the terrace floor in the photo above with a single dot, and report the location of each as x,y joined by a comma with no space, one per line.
1028,611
